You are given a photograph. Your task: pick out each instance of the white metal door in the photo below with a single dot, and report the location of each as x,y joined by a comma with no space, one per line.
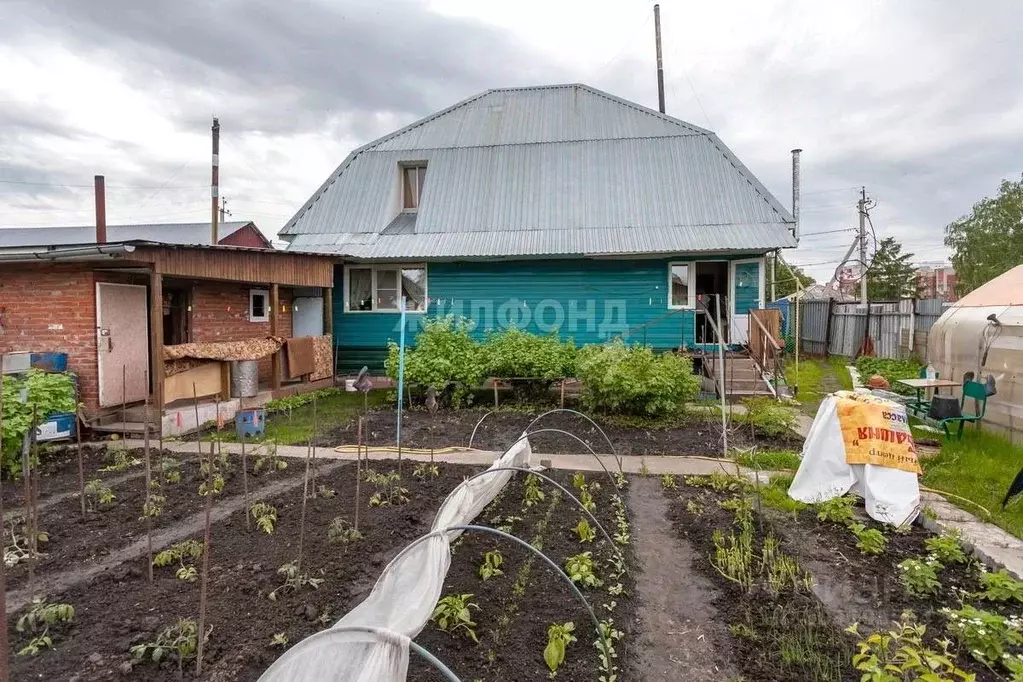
122,342
307,318
747,291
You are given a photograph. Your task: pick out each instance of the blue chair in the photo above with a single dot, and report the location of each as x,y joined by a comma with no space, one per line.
971,389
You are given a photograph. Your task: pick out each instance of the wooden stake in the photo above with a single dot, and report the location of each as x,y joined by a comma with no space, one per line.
26,462
313,444
358,473
5,666
305,502
495,394
149,483
124,404
81,460
205,578
195,403
562,394
245,485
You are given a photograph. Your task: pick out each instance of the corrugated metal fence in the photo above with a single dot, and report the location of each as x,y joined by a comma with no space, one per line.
897,329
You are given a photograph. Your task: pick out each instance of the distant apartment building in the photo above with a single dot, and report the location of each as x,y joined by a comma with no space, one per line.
936,280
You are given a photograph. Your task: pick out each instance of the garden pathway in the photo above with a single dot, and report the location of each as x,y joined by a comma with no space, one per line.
680,636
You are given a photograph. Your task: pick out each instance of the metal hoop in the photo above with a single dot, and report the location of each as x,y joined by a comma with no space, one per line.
595,424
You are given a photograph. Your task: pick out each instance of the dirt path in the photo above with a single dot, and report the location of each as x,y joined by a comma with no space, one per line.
680,635
58,582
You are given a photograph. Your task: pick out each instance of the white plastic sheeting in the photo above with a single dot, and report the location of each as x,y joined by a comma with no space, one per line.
890,495
402,599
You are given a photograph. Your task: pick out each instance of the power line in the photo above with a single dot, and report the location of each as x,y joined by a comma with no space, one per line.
600,72
55,184
812,234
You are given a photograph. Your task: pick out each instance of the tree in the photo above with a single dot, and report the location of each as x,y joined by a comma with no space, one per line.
785,276
989,241
892,275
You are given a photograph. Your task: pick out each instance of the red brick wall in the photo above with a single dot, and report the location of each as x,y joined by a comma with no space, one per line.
52,308
247,236
220,312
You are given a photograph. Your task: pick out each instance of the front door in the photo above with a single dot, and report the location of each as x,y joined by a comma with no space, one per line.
747,294
122,337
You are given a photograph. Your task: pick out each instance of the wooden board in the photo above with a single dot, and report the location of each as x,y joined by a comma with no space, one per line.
212,378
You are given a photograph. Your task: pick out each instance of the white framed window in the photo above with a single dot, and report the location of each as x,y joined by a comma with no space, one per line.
413,175
380,288
681,284
259,305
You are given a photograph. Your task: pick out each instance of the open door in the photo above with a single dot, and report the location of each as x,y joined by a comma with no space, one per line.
747,277
122,340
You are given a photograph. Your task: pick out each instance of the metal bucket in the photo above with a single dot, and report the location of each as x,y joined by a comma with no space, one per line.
244,378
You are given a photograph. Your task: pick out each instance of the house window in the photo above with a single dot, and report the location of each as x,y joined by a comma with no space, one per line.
259,305
680,285
380,288
412,178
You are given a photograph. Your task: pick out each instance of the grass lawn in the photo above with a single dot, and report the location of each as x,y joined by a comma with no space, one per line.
980,468
816,378
770,460
295,426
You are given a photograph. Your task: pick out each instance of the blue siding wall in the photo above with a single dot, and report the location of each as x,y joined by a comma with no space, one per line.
590,301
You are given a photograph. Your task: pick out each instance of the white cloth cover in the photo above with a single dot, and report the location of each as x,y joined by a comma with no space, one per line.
891,495
402,599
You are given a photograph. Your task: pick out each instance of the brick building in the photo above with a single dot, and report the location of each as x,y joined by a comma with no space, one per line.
113,308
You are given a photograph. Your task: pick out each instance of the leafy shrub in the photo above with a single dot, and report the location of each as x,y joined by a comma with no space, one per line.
47,394
900,654
1000,587
836,510
768,416
517,353
444,353
946,548
987,635
620,379
891,370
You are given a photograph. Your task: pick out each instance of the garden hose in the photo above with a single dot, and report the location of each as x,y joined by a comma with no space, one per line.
393,448
981,507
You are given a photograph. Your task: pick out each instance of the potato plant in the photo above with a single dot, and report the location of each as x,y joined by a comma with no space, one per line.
180,553
836,510
98,493
340,530
178,642
293,581
37,621
454,614
265,516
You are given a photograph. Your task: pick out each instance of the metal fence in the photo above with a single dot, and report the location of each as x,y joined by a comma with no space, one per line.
888,329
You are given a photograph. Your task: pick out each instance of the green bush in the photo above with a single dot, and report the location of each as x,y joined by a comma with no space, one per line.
768,416
620,379
891,370
48,393
444,354
519,354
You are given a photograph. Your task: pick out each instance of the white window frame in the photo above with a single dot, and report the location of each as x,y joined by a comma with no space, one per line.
691,270
374,268
265,293
404,166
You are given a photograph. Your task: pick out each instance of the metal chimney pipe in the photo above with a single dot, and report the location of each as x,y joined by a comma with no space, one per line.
795,192
660,61
101,209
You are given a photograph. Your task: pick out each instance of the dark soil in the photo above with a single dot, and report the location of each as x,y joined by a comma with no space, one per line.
768,630
74,540
58,473
121,608
512,628
420,429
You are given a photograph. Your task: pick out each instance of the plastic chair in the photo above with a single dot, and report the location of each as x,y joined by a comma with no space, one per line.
971,389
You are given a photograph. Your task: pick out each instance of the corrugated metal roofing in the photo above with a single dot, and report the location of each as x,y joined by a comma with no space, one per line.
543,171
170,233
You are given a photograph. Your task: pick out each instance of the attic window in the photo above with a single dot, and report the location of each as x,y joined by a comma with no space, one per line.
412,177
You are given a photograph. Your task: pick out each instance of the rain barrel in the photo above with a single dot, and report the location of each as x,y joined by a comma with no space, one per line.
244,378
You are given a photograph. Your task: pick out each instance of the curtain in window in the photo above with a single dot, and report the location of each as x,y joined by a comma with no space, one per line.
360,289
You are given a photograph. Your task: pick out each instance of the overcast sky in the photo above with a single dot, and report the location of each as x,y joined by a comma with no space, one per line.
921,101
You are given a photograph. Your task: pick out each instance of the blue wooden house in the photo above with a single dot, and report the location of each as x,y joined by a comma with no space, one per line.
556,209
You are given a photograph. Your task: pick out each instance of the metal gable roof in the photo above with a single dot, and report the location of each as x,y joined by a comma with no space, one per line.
507,164
169,233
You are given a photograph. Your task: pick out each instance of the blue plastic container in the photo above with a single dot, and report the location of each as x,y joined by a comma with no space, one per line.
58,426
49,362
250,423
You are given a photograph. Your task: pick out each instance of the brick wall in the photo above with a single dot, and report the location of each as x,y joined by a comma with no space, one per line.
220,312
52,309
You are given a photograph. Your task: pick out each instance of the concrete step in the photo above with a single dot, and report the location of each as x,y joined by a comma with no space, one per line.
131,429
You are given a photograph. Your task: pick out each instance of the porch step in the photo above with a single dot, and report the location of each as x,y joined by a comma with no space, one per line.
130,429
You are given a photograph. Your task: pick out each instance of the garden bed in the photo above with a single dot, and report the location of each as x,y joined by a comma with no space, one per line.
516,608
77,541
694,435
120,608
795,629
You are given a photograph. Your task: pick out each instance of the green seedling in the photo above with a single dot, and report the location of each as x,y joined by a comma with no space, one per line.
41,616
491,567
265,516
454,614
189,550
559,636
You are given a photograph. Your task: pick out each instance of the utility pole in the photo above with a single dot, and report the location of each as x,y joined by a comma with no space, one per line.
215,183
223,210
862,206
660,62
